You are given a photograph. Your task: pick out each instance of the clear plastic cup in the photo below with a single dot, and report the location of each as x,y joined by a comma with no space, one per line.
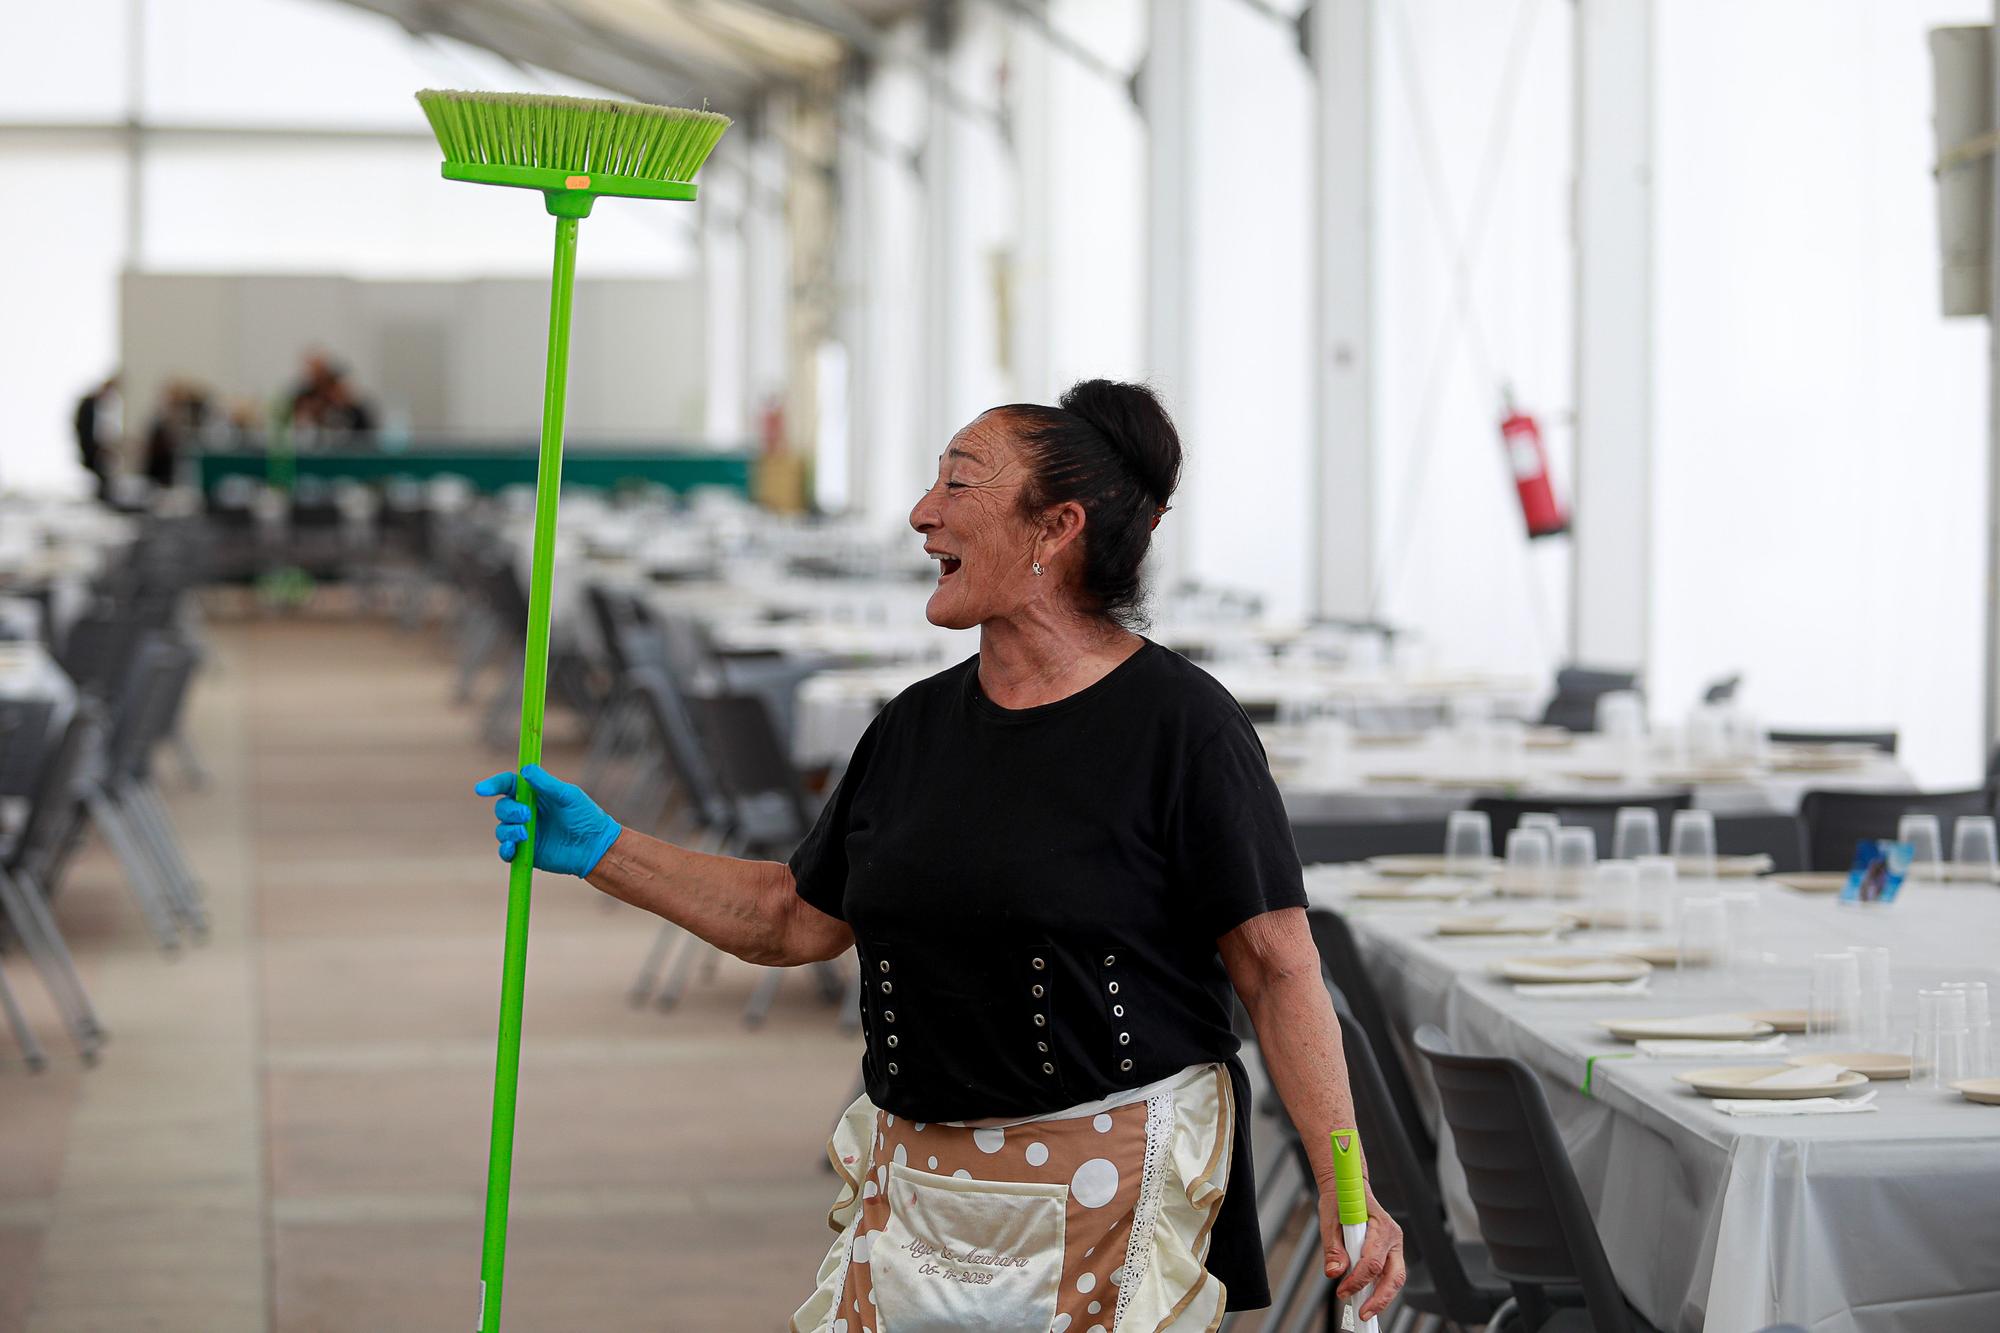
1636,833
1937,1052
1530,862
1614,896
1691,842
1659,888
1547,823
1576,856
1704,933
1872,1018
1975,847
1926,844
1746,925
1979,1052
1834,1003
1468,843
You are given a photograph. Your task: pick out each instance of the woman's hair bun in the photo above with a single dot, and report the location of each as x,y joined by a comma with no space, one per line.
1111,448
1132,420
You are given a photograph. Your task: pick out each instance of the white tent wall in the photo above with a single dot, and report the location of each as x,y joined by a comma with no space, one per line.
1821,447
1473,164
895,460
1244,412
60,336
1094,197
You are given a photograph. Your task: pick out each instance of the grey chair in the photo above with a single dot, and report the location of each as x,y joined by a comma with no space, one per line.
123,803
1574,704
1835,821
24,735
24,1033
1340,959
1780,837
1538,1231
768,809
687,780
1450,1278
1600,816
1320,841
30,862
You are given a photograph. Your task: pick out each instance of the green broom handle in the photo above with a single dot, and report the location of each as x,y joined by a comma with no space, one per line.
534,687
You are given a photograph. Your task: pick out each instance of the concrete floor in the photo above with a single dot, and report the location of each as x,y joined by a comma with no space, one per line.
288,1129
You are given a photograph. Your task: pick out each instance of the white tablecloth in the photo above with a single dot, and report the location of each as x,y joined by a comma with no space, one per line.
1888,1221
835,707
1445,769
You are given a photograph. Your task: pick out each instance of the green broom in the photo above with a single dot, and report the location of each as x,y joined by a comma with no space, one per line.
573,150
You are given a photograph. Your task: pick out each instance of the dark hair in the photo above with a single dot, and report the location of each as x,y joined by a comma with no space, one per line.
1111,448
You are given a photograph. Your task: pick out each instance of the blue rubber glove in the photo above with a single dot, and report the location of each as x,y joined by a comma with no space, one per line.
571,833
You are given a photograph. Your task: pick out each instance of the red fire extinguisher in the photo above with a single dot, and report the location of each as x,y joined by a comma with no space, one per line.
1529,462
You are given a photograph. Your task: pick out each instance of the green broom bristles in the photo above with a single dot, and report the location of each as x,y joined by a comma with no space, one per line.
584,135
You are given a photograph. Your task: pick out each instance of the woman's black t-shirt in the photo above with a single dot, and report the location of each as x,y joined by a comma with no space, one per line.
1036,896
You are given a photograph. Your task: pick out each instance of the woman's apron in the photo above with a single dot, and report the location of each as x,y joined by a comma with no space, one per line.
1093,1219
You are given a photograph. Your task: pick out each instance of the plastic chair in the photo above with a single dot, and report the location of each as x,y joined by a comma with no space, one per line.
706,812
1449,1278
769,811
1320,842
1574,705
1780,837
30,863
24,736
1837,820
1538,1231
1582,812
1340,958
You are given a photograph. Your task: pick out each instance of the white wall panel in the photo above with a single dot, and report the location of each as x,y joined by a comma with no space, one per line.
1821,447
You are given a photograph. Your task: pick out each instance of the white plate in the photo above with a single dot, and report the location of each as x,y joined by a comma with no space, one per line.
1812,881
1414,865
1663,955
1738,1081
1784,1020
1696,1027
1429,889
1948,870
1503,923
1577,968
1730,867
1985,1091
1879,1066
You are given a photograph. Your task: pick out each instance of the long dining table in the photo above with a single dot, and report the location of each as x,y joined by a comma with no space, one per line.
1887,1220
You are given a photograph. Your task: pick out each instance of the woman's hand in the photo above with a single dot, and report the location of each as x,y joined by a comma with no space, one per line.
1380,1261
571,833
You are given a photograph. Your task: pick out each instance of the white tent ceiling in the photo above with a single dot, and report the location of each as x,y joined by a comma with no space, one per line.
724,52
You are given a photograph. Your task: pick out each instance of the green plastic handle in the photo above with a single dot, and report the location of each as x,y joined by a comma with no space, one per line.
521,873
1349,1188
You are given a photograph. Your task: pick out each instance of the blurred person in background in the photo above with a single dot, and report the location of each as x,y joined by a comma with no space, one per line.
179,421
325,400
1055,861
98,424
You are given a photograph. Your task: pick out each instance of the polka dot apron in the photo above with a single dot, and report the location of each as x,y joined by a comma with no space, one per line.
1094,1219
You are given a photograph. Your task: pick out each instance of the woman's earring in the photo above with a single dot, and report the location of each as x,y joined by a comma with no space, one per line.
1038,569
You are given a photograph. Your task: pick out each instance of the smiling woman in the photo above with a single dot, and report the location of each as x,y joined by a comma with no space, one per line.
1055,861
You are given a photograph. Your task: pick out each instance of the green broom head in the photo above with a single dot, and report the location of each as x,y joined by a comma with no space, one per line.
573,149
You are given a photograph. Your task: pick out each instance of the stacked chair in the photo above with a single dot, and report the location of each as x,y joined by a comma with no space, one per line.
89,762
681,743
